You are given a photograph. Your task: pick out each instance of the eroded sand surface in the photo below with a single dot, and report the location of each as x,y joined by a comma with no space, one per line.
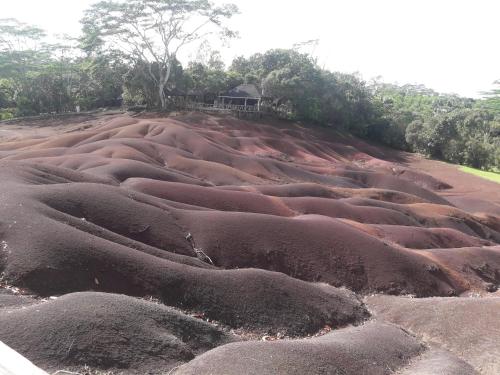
176,245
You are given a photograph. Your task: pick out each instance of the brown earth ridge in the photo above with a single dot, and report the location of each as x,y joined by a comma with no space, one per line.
196,244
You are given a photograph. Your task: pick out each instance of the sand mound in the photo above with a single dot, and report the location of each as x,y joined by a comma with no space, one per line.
108,239
279,244
438,361
130,191
426,238
389,182
374,348
422,179
115,235
467,327
267,227
107,331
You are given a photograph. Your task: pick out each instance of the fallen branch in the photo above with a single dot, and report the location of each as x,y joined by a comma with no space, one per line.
200,254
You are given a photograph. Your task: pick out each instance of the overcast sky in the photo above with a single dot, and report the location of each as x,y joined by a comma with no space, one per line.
448,45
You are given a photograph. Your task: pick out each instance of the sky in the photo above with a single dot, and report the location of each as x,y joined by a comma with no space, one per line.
451,46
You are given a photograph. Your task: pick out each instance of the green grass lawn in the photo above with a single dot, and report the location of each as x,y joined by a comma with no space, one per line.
492,176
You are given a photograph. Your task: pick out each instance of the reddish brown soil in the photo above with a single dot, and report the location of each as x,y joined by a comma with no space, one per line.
270,227
468,192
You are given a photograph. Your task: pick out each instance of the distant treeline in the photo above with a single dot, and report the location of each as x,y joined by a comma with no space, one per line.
36,77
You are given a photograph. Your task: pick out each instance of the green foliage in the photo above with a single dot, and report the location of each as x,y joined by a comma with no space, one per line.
152,32
491,100
313,94
36,77
463,136
209,76
128,50
7,113
100,81
448,127
294,77
6,102
6,93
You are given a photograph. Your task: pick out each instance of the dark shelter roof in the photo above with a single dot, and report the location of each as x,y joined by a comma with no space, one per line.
243,91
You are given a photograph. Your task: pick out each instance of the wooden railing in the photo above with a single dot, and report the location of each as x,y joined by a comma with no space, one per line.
221,107
279,111
240,108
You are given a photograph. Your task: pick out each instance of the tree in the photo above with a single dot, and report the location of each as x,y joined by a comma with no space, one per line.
464,135
140,88
21,52
38,77
6,93
207,74
100,80
154,31
16,36
316,95
491,99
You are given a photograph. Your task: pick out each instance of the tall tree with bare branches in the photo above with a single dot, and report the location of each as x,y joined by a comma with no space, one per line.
154,31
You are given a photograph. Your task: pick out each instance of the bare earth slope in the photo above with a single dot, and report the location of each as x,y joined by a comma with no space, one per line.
272,229
468,327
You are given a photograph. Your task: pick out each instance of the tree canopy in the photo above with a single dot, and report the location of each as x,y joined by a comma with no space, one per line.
150,33
491,100
128,52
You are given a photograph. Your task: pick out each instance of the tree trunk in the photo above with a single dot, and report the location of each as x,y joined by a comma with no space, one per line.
161,93
164,77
